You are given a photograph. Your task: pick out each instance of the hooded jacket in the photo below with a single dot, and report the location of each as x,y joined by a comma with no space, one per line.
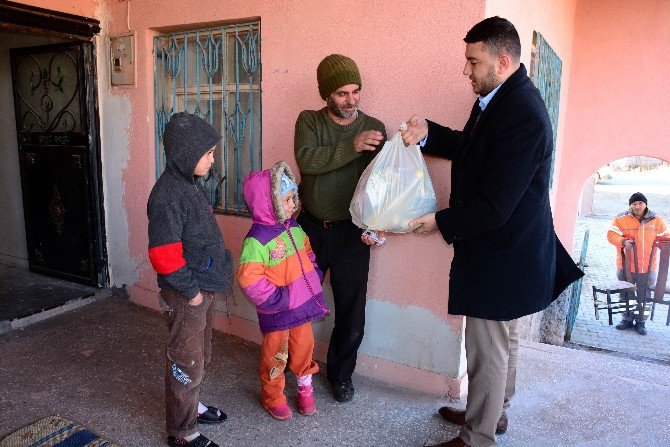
185,243
278,270
627,226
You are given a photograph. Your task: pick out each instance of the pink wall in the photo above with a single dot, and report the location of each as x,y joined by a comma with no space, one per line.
411,59
410,62
554,19
86,8
617,102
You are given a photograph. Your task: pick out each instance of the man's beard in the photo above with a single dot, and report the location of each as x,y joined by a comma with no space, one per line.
488,83
339,112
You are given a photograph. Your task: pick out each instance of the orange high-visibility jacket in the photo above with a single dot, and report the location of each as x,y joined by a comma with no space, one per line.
626,226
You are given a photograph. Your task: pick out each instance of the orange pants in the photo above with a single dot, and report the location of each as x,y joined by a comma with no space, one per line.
296,345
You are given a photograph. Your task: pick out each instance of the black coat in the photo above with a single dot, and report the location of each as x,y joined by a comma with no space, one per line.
508,261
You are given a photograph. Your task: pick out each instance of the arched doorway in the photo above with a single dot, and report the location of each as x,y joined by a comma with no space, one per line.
604,196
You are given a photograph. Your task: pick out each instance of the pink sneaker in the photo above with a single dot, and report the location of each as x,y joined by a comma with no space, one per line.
306,404
282,412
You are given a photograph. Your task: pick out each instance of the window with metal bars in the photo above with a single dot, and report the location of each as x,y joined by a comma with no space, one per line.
214,73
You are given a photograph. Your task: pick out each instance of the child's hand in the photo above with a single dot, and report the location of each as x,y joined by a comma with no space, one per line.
196,301
375,238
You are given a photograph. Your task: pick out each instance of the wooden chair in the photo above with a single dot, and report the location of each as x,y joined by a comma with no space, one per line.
661,290
613,302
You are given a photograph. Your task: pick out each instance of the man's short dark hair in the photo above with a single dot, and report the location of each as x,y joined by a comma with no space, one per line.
498,35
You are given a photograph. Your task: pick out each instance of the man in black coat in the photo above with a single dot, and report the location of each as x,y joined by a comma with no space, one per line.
508,261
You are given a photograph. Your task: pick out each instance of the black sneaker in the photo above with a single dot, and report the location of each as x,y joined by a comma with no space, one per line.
343,391
625,324
639,327
212,416
200,441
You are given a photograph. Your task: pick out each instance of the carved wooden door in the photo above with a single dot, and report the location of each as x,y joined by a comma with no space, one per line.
57,127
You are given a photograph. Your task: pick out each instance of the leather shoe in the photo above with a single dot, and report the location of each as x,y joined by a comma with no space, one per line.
458,417
456,442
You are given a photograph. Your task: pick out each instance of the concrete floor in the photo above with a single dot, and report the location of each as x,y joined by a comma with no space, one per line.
101,364
24,293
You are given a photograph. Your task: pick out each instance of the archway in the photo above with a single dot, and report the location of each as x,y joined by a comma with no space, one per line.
605,195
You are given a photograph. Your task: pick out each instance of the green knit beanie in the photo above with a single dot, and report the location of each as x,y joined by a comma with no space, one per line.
335,71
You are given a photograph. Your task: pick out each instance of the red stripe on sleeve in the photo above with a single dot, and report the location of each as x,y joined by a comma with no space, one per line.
167,258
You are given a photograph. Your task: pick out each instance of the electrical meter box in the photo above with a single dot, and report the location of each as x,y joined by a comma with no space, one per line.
122,63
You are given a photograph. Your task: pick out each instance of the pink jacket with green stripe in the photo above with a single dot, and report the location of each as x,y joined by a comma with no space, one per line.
277,269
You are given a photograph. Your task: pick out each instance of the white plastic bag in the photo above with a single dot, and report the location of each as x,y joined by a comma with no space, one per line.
394,189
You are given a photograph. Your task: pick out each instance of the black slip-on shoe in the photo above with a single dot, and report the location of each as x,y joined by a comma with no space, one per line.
200,441
212,416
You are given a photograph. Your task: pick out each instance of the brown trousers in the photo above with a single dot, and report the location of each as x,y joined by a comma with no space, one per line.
295,345
188,352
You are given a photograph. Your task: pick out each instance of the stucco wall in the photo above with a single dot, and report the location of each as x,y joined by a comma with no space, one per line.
554,19
411,59
86,8
115,129
616,104
13,246
410,63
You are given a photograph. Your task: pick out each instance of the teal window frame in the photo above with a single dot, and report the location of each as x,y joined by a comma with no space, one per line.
214,73
546,70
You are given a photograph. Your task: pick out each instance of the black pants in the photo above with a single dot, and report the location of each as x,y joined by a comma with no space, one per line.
339,248
637,312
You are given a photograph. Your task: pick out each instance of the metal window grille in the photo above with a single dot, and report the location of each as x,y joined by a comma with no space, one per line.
216,74
546,70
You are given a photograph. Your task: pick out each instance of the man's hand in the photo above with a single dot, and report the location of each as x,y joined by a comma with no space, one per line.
627,244
417,129
196,301
424,224
368,140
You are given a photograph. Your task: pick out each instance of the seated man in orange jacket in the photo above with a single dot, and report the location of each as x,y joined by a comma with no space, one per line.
641,224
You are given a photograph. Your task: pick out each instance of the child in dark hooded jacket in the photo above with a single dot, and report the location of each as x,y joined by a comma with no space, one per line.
192,263
278,272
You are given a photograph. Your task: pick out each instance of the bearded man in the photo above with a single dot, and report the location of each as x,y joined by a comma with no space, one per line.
507,261
333,146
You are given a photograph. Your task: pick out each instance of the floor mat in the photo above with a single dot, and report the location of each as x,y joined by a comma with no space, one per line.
56,431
